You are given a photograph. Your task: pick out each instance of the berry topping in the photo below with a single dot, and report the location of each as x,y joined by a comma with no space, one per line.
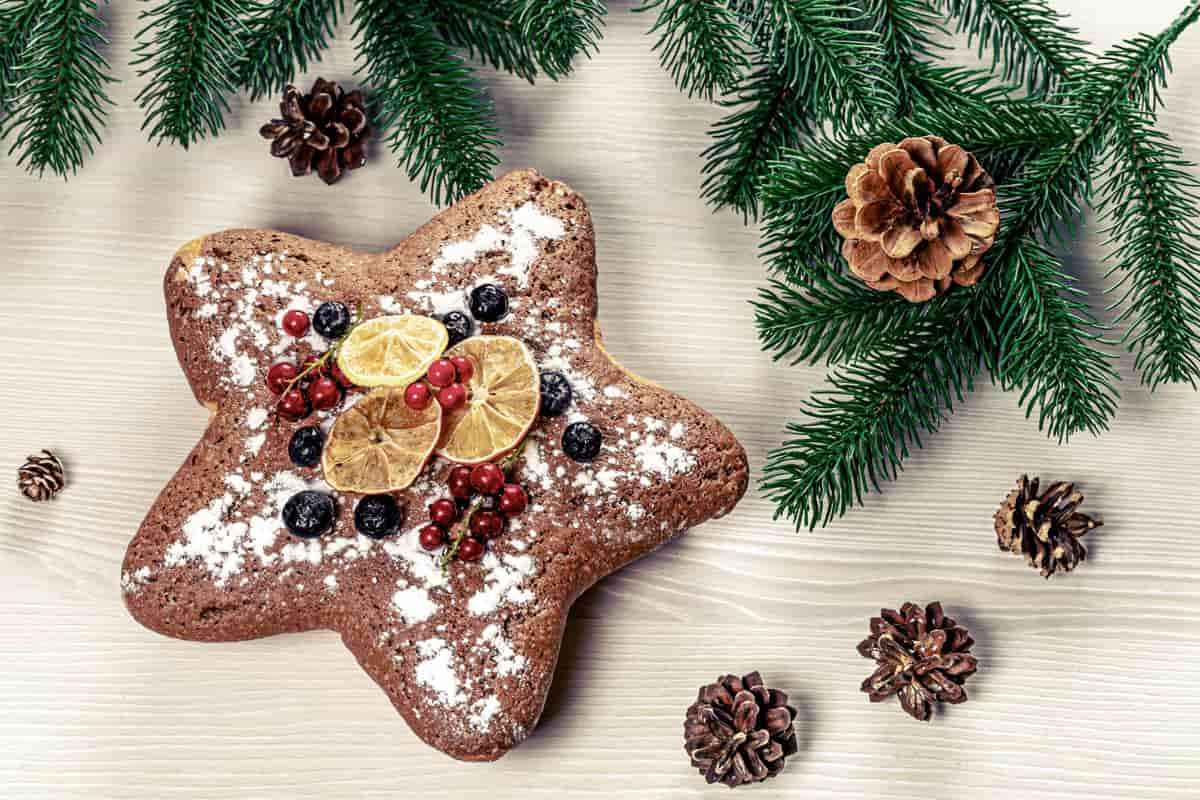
443,513
336,373
305,446
488,303
417,396
293,404
377,515
295,323
470,549
463,367
280,375
309,514
486,524
581,441
452,396
324,393
310,362
556,394
459,482
331,320
487,478
432,537
458,326
513,499
441,373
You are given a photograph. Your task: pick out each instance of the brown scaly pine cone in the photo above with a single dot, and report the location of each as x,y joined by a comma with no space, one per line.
923,656
326,129
1045,528
41,477
739,731
919,218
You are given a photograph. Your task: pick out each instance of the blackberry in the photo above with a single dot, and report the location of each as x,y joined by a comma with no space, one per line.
458,325
305,446
309,514
581,441
331,320
377,515
489,303
556,394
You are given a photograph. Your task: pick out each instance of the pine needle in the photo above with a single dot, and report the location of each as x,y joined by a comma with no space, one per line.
281,38
700,43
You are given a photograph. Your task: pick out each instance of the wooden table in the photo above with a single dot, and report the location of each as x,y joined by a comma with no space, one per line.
1087,685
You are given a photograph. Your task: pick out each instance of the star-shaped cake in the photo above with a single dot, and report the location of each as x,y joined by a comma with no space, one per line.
466,651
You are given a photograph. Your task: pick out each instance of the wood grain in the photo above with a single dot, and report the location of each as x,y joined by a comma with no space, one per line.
1086,686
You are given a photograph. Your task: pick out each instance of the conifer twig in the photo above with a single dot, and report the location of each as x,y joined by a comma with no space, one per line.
281,38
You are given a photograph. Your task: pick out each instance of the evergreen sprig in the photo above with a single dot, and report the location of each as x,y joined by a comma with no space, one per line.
489,31
282,38
56,85
701,44
17,19
566,29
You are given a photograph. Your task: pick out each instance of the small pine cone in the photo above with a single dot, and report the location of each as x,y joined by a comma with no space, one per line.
919,217
326,128
739,731
1045,527
41,476
923,656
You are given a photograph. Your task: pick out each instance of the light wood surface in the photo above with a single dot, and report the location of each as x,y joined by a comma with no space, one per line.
1087,685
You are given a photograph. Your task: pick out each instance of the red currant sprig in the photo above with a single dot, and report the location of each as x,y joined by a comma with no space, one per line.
324,378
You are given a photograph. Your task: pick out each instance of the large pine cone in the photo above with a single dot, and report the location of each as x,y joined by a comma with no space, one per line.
919,217
923,656
1045,528
739,731
326,128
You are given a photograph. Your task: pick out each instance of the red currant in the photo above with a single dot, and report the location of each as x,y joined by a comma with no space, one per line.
280,375
432,537
441,373
452,396
459,482
470,549
295,323
443,512
513,499
487,478
310,363
486,524
336,373
293,404
417,396
324,393
464,368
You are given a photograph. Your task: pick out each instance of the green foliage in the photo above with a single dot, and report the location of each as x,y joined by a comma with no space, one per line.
488,30
282,38
439,126
16,24
189,51
565,29
700,43
56,84
906,28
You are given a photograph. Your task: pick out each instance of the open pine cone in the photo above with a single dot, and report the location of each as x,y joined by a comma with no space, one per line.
739,731
923,656
919,217
1045,527
326,128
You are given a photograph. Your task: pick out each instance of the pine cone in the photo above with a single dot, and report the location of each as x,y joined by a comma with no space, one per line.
1045,527
923,656
739,731
919,217
41,476
326,128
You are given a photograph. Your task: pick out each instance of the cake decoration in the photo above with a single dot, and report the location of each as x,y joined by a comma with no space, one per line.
296,520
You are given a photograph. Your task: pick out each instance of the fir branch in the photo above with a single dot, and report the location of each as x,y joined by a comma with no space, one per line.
190,51
440,127
17,19
905,29
490,31
58,96
282,37
860,430
564,30
1150,198
700,43
1027,38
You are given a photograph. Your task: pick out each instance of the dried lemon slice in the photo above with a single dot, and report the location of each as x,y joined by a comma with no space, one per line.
392,351
503,403
380,444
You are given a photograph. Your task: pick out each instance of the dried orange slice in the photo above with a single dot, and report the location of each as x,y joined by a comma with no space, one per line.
393,350
504,395
380,444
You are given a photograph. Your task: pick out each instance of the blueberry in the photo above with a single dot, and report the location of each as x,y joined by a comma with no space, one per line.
308,514
377,515
556,394
581,441
305,447
458,325
331,320
488,303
